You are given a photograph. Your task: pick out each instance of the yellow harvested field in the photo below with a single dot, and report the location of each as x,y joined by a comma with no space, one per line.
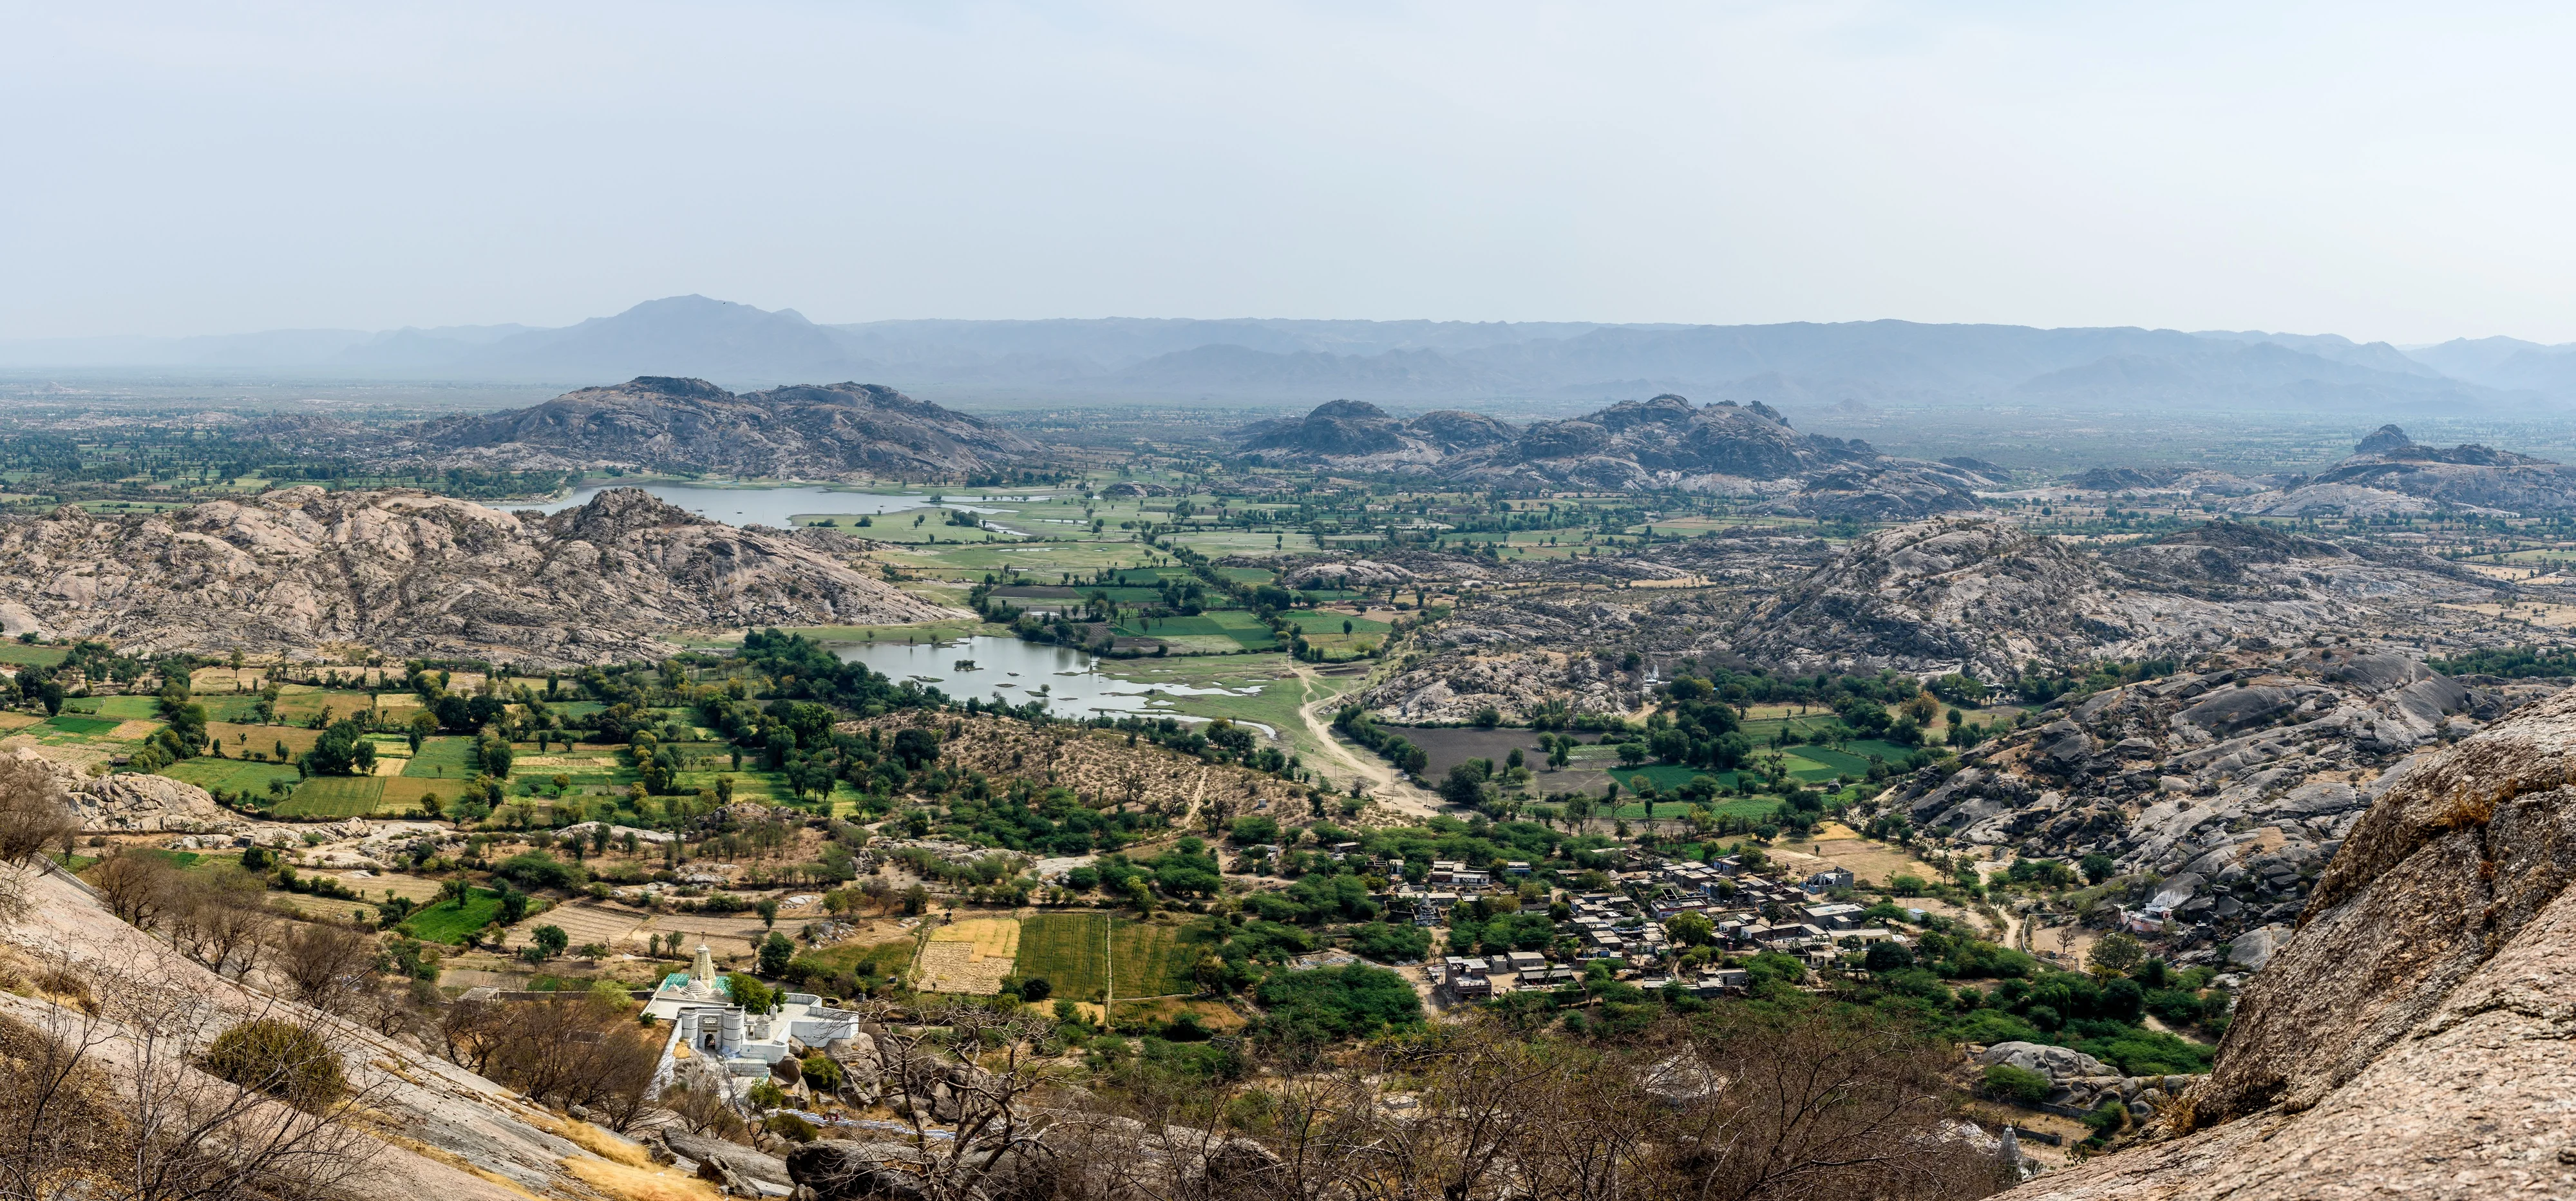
1870,862
971,956
133,730
18,721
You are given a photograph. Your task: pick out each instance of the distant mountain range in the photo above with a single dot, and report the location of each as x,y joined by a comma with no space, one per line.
1409,363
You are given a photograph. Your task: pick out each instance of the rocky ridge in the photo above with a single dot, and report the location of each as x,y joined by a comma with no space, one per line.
407,573
2389,473
1666,442
1987,597
2411,1039
802,431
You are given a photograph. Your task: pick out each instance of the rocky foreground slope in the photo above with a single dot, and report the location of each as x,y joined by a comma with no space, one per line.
407,573
2412,1039
802,431
1667,442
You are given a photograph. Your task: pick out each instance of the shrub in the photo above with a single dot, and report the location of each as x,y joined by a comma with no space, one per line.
280,1058
2005,1082
791,1127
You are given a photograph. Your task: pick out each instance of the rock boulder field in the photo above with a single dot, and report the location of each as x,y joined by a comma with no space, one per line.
2412,1038
411,574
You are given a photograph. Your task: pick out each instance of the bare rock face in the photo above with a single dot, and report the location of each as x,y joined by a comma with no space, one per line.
2412,1039
131,803
1986,597
412,574
126,803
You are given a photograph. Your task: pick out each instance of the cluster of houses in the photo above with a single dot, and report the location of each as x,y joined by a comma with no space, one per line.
1629,925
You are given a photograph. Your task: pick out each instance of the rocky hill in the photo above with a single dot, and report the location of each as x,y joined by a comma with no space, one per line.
2410,1040
411,574
1666,442
2388,473
1988,597
836,431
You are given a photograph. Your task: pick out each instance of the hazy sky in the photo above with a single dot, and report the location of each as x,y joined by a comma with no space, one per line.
2379,171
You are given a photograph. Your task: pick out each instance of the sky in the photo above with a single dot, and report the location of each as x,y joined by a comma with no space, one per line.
2380,171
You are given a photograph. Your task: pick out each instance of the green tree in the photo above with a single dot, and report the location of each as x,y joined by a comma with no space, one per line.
768,911
775,952
550,941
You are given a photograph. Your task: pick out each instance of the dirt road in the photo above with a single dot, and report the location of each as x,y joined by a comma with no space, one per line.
1382,781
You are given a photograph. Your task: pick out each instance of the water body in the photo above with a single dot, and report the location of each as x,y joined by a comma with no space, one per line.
763,506
1016,671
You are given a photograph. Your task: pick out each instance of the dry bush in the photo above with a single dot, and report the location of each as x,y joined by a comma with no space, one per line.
138,886
220,919
579,1049
34,811
328,967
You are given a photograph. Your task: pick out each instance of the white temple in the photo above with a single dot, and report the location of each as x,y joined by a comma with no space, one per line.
707,1024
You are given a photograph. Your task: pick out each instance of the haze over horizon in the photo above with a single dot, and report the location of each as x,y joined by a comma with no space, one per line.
2379,173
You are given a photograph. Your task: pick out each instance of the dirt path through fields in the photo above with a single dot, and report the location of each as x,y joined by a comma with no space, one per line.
1389,788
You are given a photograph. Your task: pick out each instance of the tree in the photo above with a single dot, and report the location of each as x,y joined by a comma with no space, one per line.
326,966
1691,929
2117,952
549,941
1887,957
768,911
2097,867
775,952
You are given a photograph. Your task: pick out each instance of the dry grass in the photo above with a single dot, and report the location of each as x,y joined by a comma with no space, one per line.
630,1183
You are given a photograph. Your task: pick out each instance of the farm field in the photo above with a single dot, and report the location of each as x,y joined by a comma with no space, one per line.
970,957
1220,631
442,757
1064,949
449,922
880,959
334,797
19,654
230,775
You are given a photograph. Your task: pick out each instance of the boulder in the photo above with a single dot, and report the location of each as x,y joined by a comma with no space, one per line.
2254,948
2056,1063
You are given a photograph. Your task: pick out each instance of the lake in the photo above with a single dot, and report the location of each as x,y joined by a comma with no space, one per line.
762,506
1072,683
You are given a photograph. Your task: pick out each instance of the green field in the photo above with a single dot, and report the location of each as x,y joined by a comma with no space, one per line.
1232,625
450,923
441,758
136,708
22,655
231,775
1064,950
885,959
334,797
91,726
1311,623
